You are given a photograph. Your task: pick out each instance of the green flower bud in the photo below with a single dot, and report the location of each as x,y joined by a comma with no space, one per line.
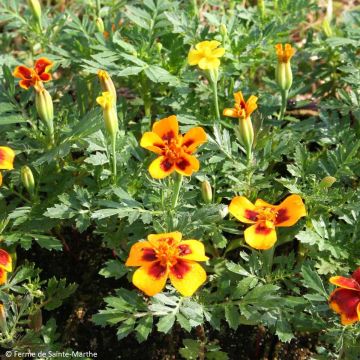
283,73
106,101
223,30
36,10
206,192
45,110
27,179
327,182
159,47
100,25
327,28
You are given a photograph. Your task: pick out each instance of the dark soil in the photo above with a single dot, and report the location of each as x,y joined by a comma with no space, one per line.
80,263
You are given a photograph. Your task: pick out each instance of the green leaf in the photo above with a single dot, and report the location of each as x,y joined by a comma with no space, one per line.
313,281
232,316
113,268
144,328
166,323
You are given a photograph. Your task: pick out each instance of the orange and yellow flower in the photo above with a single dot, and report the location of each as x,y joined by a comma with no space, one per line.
7,156
174,150
5,265
242,109
346,300
206,55
265,217
36,76
165,256
284,53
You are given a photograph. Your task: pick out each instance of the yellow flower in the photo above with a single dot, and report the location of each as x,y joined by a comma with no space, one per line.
165,256
206,55
107,84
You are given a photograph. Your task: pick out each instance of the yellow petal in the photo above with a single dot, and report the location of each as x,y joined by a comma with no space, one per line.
260,237
290,211
153,142
194,57
187,164
7,156
161,167
171,238
209,63
192,250
141,254
243,210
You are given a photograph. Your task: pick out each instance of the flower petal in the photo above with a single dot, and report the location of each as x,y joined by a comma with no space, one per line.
5,261
45,77
239,98
167,128
251,105
7,156
171,238
150,279
3,276
187,276
262,203
345,302
260,237
153,142
194,57
356,275
345,283
187,164
141,254
161,167
23,72
192,250
42,65
290,211
243,210
209,63
26,84
213,44
1,179
231,112
194,138
218,52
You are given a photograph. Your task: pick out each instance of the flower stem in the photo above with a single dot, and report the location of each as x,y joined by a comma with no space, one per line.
269,259
177,187
216,99
284,97
113,150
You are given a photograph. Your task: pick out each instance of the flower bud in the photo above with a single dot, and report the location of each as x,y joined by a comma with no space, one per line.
206,192
223,30
3,324
106,101
245,133
27,179
100,25
36,10
261,7
327,28
107,84
283,73
159,47
45,109
327,182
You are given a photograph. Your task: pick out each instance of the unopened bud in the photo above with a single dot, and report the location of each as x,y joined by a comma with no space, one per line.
327,182
106,101
261,7
45,110
35,9
283,73
27,179
223,30
3,323
107,84
327,28
206,192
35,321
100,25
245,133
159,47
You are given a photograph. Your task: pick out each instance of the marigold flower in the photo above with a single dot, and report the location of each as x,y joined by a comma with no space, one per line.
284,53
206,55
107,102
283,73
165,256
242,109
266,217
346,300
5,265
107,84
7,157
174,150
36,76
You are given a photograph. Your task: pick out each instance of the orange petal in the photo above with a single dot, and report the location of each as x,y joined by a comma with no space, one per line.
187,164
192,250
5,261
231,112
345,283
262,203
3,276
42,65
1,179
260,236
141,254
243,210
172,238
239,98
150,279
346,303
251,105
167,128
290,211
7,156
187,276
23,72
194,138
153,142
161,167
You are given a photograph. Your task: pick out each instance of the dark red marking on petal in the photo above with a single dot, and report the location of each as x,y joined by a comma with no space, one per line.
184,250
182,164
169,135
161,146
251,214
25,72
180,269
166,165
262,229
356,275
188,143
26,83
45,77
282,216
4,257
157,270
41,64
347,302
148,254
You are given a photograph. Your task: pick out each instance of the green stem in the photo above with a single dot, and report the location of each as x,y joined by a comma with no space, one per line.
177,187
216,99
284,97
113,149
269,259
98,7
